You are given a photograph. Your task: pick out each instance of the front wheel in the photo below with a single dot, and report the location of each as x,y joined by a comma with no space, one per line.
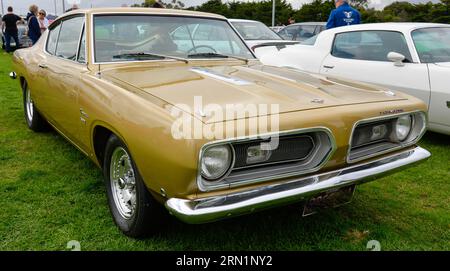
33,118
132,206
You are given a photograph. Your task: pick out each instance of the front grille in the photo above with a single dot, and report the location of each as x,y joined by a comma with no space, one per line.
297,153
363,146
290,148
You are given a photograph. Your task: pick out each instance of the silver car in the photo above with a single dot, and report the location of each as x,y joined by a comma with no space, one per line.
24,40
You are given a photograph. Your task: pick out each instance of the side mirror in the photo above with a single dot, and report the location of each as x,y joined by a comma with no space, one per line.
396,58
13,75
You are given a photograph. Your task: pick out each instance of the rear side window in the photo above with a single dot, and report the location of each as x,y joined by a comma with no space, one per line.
289,32
53,39
370,45
69,38
305,32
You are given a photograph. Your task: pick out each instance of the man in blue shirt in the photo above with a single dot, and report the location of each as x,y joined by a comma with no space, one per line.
344,14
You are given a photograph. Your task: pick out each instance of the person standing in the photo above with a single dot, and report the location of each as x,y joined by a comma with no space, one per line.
74,7
43,21
343,15
34,30
9,28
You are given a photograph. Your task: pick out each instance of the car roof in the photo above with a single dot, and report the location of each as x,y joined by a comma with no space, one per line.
151,11
309,23
387,26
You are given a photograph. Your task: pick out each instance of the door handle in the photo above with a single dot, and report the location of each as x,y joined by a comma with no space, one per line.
328,67
42,66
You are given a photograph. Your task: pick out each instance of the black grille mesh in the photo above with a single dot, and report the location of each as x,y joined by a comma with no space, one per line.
290,148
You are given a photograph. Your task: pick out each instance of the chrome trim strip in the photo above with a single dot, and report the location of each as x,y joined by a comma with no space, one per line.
213,186
219,207
401,145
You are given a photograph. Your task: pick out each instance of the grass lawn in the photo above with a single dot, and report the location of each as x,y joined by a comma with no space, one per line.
51,194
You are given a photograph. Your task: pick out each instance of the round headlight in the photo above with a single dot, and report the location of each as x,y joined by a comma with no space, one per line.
216,161
403,127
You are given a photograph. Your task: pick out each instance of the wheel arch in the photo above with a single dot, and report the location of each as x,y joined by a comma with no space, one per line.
22,81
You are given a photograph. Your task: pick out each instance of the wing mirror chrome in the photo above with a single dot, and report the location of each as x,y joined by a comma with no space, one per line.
397,58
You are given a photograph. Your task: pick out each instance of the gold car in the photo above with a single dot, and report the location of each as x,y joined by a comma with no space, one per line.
177,111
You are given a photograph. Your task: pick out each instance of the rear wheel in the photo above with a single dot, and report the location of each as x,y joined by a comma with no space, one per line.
33,118
132,206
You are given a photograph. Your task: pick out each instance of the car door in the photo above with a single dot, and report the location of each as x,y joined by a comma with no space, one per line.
432,45
63,71
362,56
439,110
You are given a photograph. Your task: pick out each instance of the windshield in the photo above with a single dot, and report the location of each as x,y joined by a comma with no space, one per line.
432,44
255,31
151,37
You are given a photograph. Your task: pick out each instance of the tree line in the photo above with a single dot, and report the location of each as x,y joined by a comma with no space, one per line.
318,10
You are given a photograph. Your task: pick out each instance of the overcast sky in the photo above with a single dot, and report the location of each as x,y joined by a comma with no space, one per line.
21,6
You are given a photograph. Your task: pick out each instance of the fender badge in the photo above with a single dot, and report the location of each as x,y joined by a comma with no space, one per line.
318,101
390,112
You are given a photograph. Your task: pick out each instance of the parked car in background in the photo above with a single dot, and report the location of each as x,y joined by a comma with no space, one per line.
24,40
302,31
124,97
255,33
409,57
277,29
51,18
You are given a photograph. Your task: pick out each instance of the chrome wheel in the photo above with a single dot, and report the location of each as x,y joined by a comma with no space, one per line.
29,105
123,183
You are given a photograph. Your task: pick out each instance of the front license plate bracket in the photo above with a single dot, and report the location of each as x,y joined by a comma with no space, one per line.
329,199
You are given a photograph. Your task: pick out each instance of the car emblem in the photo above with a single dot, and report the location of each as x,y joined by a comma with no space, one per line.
318,101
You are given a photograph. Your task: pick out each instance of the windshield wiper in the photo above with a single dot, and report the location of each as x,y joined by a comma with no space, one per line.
216,55
148,55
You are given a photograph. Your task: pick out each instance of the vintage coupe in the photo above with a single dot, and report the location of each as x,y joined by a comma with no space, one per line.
110,80
410,57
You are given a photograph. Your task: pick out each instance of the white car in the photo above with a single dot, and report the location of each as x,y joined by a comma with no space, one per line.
256,33
409,57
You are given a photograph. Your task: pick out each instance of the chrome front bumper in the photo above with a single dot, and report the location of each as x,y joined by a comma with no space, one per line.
219,207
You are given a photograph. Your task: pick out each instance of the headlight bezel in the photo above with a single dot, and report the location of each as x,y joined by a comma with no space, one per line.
419,123
411,125
225,172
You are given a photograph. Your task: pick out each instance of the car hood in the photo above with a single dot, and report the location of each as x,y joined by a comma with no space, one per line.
224,85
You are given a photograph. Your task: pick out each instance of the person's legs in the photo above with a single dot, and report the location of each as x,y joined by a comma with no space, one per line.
7,42
16,39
